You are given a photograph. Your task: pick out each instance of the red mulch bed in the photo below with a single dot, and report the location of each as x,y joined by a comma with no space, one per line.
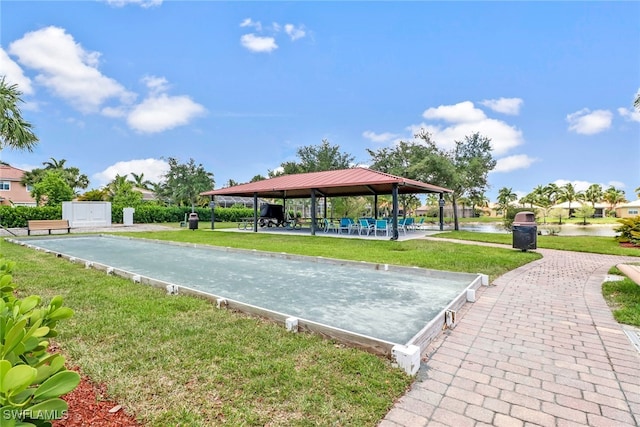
629,245
88,406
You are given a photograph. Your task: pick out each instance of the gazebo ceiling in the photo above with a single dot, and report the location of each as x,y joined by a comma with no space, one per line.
337,183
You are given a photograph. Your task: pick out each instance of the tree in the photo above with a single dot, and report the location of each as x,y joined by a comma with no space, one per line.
552,191
637,191
464,170
72,175
140,182
478,200
52,190
184,183
594,195
543,198
317,158
613,196
402,160
120,192
585,211
505,197
15,132
94,196
258,178
569,194
529,199
54,164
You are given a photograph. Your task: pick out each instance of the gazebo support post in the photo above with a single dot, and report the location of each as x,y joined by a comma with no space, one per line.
441,211
213,212
394,194
255,212
313,212
375,206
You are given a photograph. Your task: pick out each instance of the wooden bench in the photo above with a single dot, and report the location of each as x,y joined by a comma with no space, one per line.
48,224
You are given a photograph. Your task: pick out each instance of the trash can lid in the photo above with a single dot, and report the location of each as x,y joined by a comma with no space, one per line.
524,218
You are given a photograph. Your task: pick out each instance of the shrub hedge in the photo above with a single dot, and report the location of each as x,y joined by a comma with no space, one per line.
17,217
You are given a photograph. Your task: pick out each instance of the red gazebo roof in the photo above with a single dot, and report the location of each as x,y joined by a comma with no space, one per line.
345,182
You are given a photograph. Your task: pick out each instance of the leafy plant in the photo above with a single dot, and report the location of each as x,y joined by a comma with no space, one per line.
629,230
31,379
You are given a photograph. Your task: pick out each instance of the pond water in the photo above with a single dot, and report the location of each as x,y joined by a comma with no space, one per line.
606,230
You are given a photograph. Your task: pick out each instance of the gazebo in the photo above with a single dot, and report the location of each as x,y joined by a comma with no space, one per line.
337,183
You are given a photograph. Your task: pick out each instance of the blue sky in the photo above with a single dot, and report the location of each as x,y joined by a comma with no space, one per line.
116,87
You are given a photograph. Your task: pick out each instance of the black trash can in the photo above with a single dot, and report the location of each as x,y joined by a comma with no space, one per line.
525,231
193,221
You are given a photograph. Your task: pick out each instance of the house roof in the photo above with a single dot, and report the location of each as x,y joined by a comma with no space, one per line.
9,173
344,182
634,204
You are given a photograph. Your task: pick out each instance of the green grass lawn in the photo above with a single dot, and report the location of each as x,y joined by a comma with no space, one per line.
592,244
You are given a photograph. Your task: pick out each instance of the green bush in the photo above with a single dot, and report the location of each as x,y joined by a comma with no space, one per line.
31,379
629,230
17,217
13,217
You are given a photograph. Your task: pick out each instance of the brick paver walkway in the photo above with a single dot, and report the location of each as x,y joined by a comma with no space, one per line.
539,347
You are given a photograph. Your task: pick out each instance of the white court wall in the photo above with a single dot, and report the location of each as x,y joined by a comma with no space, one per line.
87,214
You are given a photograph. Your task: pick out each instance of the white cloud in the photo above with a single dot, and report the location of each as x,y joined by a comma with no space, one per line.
156,85
293,32
248,22
142,3
632,115
509,106
162,112
587,122
577,184
463,112
13,73
511,163
258,43
66,69
153,170
465,119
379,137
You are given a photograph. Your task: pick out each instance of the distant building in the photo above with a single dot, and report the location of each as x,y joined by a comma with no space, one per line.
628,210
12,192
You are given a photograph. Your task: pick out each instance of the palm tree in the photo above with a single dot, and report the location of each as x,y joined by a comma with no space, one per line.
613,196
140,182
478,200
15,132
569,194
552,192
54,164
637,190
593,194
505,196
529,199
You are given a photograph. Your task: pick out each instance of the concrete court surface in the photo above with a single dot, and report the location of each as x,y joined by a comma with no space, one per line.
539,347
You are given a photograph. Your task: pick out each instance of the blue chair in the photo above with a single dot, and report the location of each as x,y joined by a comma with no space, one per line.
381,225
348,225
329,225
402,225
364,226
